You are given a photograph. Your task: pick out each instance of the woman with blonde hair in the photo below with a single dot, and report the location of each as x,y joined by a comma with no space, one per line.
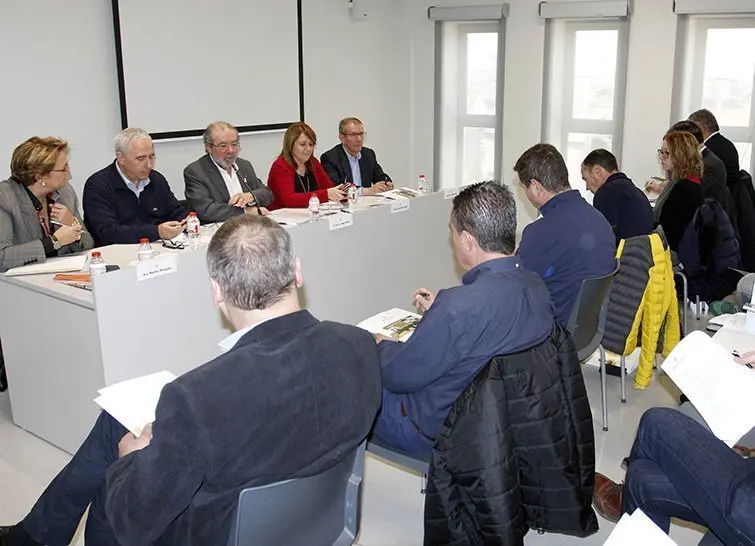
675,207
39,214
297,175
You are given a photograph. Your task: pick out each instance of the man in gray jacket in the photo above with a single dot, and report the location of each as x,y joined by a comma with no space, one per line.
221,185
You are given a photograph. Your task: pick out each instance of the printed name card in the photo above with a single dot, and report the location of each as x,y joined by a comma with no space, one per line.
340,220
157,267
400,206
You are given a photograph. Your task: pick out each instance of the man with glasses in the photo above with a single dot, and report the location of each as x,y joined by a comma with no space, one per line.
350,162
221,185
128,200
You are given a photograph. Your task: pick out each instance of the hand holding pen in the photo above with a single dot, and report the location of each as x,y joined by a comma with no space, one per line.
423,299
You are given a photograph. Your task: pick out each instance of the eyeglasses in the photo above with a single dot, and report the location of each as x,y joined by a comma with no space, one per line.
173,245
663,153
225,145
362,134
66,169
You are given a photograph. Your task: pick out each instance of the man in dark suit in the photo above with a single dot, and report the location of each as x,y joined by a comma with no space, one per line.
128,200
351,162
718,144
714,172
221,185
290,397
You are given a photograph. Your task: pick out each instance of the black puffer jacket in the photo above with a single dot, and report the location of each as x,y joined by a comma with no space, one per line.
516,452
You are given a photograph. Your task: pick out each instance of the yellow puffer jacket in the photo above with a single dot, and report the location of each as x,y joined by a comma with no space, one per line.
658,309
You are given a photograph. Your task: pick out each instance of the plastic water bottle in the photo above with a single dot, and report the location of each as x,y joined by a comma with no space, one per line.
314,209
423,185
353,196
192,229
145,250
97,265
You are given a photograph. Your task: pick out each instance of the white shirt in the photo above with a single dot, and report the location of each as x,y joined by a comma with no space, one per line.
231,180
130,185
228,343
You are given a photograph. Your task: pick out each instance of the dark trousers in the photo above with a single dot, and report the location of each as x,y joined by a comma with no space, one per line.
55,517
679,469
394,428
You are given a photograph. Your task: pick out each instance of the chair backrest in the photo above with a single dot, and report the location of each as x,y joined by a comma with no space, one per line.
588,318
321,510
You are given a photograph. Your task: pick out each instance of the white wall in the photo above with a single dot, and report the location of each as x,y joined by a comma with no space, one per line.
59,78
649,85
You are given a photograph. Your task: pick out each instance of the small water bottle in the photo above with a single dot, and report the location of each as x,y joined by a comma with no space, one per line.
192,229
353,194
314,209
423,185
97,265
145,250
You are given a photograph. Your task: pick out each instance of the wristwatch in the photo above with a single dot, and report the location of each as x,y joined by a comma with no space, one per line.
56,245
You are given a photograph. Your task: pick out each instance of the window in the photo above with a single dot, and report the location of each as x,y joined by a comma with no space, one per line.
585,77
469,103
718,75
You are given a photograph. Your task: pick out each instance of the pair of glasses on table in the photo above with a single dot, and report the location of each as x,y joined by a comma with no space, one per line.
174,245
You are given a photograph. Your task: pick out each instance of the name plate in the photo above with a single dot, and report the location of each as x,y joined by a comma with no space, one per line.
400,206
452,192
156,267
340,220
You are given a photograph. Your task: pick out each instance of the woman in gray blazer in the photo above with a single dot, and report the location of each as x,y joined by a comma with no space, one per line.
39,214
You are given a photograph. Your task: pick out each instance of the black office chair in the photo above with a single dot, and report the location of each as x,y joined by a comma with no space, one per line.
321,510
587,325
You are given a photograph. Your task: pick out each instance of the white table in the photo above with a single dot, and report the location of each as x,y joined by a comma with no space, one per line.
61,343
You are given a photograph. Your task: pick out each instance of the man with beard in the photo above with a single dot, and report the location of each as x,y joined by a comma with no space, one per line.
221,185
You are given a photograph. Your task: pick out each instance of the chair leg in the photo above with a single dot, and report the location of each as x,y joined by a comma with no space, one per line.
697,307
685,294
603,386
423,484
623,380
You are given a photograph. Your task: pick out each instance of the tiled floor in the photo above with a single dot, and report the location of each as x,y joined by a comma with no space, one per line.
392,504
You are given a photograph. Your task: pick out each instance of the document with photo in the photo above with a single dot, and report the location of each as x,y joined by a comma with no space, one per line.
395,323
401,193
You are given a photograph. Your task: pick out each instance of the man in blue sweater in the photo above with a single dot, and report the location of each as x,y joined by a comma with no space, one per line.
499,308
623,204
128,200
572,241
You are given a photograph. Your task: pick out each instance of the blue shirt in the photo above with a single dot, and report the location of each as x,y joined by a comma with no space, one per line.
356,173
570,243
500,308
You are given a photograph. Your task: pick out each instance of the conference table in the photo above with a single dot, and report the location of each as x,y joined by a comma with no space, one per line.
63,343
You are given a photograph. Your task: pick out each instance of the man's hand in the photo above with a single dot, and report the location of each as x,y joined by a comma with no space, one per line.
253,210
130,443
379,187
423,299
168,230
381,337
241,200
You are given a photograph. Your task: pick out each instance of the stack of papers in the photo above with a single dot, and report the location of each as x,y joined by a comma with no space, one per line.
637,529
133,402
395,323
290,217
401,193
719,388
53,265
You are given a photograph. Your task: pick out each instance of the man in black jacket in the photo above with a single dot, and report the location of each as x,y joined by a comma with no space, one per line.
718,144
351,162
128,200
290,398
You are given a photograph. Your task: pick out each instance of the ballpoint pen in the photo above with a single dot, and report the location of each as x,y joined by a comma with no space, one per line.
66,225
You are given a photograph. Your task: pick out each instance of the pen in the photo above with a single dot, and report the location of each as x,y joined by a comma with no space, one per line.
424,294
66,225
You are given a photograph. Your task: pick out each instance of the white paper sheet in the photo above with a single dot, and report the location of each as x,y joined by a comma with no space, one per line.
394,323
53,265
637,529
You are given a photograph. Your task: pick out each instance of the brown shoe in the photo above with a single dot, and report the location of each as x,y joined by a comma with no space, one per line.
607,497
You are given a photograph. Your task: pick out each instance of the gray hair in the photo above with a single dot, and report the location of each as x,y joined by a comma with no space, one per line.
207,135
705,119
125,137
487,211
252,260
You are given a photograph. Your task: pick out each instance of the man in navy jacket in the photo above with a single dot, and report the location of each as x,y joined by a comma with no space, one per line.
290,397
128,200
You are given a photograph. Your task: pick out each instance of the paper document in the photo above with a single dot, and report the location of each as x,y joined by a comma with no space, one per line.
720,389
53,265
291,217
394,323
132,402
735,321
401,193
637,529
